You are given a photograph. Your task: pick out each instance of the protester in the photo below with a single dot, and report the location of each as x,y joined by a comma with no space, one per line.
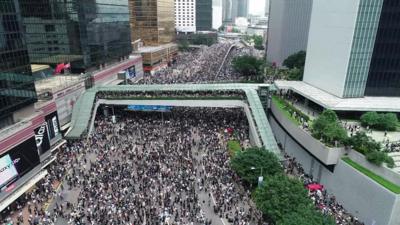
323,201
150,168
201,66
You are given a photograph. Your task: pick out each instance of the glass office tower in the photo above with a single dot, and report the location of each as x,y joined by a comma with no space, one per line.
85,33
384,72
17,87
204,15
152,21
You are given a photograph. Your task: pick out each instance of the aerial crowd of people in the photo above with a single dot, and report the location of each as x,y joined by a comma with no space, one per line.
323,201
158,167
204,65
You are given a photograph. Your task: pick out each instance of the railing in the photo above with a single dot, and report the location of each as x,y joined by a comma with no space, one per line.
4,133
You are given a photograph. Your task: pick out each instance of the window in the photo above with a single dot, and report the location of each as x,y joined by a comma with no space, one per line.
49,28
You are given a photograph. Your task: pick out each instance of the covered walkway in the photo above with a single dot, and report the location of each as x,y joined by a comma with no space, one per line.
85,106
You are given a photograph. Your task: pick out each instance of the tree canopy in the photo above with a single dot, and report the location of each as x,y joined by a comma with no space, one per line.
381,121
258,42
295,74
327,128
306,216
280,196
183,45
296,60
362,143
249,66
258,158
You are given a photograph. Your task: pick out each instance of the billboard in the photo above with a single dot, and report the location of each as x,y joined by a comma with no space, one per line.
130,72
53,126
7,170
42,138
18,161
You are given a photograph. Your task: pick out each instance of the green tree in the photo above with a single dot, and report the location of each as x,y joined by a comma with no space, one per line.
380,121
257,158
306,216
281,195
327,128
376,157
249,66
295,74
387,121
296,60
183,45
258,42
370,119
363,143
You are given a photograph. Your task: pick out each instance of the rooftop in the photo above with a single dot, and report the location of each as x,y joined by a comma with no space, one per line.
55,83
149,49
329,101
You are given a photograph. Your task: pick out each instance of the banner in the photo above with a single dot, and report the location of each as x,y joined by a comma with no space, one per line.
53,125
42,138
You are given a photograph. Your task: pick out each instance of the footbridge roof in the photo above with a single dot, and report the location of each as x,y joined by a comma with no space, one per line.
83,109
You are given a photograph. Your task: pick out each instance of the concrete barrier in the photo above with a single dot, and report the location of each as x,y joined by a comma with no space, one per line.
382,171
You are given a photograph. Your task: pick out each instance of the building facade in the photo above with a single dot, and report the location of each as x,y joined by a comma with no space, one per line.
152,21
361,58
217,14
85,34
229,11
17,88
266,10
384,71
243,8
204,15
185,16
288,26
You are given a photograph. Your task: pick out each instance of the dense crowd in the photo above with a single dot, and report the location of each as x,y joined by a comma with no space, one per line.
323,201
149,168
30,208
200,66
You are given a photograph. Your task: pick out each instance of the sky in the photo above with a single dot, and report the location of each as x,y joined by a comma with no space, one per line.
256,7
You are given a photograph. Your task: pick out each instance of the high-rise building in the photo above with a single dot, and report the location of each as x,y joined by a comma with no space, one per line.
185,16
17,88
229,10
243,8
356,53
204,15
152,21
217,14
288,26
266,10
233,9
84,33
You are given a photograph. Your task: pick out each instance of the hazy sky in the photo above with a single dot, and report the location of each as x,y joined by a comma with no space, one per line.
257,7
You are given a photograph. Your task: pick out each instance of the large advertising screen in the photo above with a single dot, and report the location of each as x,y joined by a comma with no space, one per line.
24,157
7,170
42,138
53,125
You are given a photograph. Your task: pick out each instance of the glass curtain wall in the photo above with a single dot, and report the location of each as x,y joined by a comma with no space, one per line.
384,72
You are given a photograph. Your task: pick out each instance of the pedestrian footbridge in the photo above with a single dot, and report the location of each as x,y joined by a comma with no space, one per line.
86,106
